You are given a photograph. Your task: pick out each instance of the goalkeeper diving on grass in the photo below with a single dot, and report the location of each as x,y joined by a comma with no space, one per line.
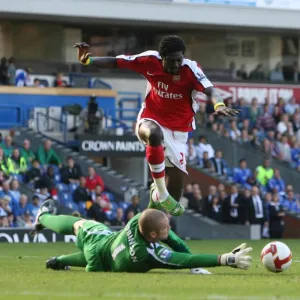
139,247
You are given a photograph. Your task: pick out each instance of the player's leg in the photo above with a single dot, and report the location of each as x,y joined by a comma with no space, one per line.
64,262
62,224
175,180
46,219
151,134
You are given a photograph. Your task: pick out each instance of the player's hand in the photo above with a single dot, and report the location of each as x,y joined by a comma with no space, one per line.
226,111
82,52
237,258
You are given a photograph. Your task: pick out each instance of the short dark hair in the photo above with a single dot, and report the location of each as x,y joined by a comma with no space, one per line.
171,44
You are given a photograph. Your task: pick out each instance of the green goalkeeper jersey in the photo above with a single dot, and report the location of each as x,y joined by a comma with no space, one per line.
128,251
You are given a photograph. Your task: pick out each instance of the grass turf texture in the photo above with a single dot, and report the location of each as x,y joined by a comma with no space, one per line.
23,276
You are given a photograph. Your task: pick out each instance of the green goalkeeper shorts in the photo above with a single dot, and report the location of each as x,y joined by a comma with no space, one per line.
91,232
89,239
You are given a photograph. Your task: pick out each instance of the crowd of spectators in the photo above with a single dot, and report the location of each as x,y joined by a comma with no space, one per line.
13,76
258,196
246,206
272,128
261,195
83,192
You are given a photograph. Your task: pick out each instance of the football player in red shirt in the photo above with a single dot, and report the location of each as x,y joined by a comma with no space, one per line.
167,115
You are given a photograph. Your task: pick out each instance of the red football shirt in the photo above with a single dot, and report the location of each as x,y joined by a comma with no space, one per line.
169,98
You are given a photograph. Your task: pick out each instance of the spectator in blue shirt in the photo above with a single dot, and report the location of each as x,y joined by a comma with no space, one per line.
22,207
295,153
242,174
245,110
11,220
276,184
34,207
289,202
6,192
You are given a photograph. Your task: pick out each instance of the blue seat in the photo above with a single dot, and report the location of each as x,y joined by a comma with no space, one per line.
82,208
62,187
72,205
114,206
30,185
65,198
124,205
109,215
55,168
72,187
57,178
110,196
18,177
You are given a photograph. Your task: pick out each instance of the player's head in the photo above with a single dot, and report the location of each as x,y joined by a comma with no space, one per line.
171,50
154,225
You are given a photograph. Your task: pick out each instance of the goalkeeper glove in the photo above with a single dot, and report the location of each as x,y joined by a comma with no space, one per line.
237,258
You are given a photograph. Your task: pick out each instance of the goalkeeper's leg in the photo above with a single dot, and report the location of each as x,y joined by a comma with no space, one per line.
45,219
60,224
64,262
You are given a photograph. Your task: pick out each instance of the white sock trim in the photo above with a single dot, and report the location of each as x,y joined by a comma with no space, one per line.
157,168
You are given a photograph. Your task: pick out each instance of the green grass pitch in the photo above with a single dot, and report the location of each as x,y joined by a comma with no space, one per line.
23,276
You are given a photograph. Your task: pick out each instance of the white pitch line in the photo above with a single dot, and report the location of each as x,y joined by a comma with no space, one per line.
139,295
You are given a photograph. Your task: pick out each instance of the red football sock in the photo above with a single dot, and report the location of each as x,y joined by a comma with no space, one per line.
156,160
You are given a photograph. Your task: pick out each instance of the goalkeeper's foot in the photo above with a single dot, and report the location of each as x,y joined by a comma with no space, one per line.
173,207
200,271
48,206
54,264
170,204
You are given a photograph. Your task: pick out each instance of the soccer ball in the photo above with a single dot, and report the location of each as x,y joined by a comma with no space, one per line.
276,257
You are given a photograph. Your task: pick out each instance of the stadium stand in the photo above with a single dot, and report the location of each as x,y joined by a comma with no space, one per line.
257,127
50,176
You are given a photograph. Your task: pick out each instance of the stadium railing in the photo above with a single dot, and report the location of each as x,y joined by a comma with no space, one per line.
62,131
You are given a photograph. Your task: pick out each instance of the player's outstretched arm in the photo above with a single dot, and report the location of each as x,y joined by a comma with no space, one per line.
162,257
219,106
86,58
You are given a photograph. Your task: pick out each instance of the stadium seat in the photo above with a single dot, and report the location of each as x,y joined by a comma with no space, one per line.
44,82
72,187
55,168
110,215
110,196
30,185
124,205
72,205
65,198
18,177
57,178
114,206
82,208
62,187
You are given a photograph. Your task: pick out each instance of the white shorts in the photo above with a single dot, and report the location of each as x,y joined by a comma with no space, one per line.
174,144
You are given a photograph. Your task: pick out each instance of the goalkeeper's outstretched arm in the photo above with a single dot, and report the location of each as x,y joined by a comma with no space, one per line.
161,257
